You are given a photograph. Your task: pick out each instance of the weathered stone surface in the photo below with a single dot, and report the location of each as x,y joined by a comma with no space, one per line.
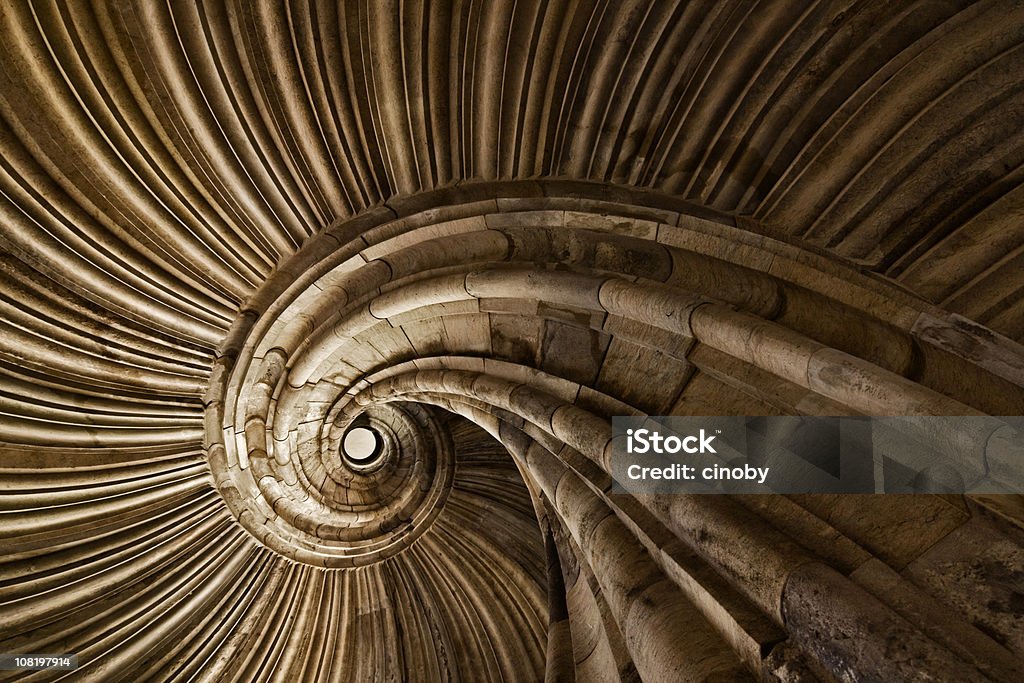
978,572
856,636
234,235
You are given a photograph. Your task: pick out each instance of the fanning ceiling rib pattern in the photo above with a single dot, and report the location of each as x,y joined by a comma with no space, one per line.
157,137
229,231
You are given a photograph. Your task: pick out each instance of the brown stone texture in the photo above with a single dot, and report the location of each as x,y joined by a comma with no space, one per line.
230,232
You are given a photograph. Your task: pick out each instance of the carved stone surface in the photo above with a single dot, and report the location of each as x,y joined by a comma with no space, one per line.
232,232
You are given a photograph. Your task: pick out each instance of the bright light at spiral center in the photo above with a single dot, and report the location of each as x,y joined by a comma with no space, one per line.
360,444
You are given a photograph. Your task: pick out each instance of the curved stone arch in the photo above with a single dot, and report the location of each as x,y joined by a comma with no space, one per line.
176,178
523,264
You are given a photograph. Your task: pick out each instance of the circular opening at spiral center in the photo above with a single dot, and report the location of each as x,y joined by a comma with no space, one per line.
361,446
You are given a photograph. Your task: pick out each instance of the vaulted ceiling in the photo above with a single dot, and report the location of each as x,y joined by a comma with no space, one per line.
232,231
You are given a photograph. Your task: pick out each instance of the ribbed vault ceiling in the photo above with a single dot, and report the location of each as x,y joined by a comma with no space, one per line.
232,230
156,138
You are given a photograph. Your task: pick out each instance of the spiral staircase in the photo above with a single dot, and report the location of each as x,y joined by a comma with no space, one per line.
314,317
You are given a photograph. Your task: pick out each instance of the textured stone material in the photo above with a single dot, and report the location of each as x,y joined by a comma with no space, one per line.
232,232
856,636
